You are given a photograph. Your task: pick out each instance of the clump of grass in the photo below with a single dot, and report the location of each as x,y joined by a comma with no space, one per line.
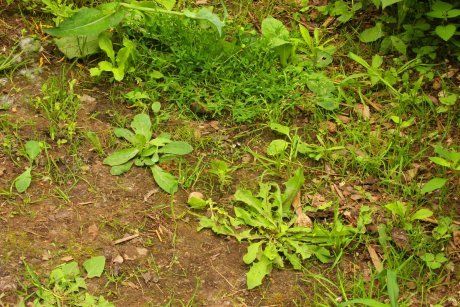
239,77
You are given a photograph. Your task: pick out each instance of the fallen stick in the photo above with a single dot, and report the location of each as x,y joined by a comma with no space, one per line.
126,239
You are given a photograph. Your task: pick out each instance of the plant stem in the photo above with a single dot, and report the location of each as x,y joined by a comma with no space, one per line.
151,10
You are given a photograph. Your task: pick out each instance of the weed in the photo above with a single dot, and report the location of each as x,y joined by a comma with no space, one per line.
65,286
59,104
146,151
272,229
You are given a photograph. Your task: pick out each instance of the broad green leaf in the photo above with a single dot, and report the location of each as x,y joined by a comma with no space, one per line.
277,147
94,266
77,46
273,28
126,134
386,3
70,269
165,180
121,169
142,125
449,100
33,149
329,103
421,214
433,184
87,22
156,106
257,272
441,161
447,154
105,43
196,202
392,288
371,34
253,250
121,156
280,128
208,15
446,32
22,182
176,148
398,44
397,208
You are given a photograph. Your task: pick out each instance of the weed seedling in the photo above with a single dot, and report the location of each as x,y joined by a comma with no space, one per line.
147,151
32,150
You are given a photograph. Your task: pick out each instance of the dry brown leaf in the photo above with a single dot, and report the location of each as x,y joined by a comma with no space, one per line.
400,238
87,99
214,124
363,111
302,219
201,2
375,259
118,259
93,231
67,258
344,119
150,193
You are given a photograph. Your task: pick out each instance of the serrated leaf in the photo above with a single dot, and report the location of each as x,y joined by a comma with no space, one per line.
176,148
371,34
33,149
432,185
165,180
87,22
253,250
121,156
257,272
446,32
22,182
94,266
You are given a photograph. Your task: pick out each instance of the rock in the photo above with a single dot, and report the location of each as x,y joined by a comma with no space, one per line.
141,251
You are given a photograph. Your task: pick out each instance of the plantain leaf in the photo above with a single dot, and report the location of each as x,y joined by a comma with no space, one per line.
165,180
121,156
88,22
176,148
